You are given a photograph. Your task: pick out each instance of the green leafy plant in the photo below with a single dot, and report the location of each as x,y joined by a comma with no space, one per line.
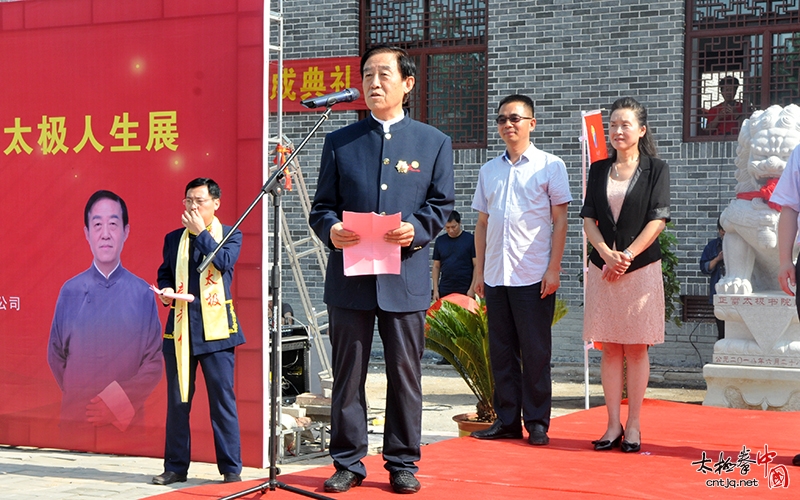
456,328
669,262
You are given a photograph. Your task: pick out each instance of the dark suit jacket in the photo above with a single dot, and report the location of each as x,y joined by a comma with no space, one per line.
359,173
647,199
224,261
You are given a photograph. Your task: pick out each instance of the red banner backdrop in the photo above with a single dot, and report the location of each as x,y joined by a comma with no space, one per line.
137,97
304,78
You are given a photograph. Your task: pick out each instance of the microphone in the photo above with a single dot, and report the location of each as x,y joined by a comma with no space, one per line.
346,95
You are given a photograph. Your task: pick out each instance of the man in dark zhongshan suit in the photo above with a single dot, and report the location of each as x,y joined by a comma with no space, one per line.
386,163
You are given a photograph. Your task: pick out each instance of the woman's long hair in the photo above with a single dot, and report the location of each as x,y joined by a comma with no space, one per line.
647,145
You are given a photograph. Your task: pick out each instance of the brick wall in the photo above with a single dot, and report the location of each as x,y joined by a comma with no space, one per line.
569,56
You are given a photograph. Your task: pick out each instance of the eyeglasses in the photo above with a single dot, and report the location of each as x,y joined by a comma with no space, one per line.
502,119
196,201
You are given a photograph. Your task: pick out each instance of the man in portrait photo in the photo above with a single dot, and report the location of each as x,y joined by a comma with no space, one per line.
105,339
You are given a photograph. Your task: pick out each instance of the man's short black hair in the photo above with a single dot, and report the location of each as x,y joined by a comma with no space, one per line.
108,195
213,187
525,100
406,64
454,217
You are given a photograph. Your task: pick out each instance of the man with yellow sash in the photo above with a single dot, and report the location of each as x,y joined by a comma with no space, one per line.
203,331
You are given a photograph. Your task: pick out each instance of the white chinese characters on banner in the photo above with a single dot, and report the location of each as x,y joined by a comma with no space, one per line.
9,303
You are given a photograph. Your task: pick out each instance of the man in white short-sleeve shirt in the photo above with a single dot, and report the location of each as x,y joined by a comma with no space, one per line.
521,199
787,195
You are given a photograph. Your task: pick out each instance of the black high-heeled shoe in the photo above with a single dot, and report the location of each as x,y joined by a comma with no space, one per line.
607,444
628,447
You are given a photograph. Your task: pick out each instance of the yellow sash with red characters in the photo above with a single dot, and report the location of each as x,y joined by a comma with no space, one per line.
212,303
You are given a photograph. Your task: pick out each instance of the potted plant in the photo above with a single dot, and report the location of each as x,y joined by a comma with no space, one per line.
456,328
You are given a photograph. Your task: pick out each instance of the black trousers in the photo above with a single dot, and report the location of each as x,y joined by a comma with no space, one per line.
403,339
218,371
796,274
520,346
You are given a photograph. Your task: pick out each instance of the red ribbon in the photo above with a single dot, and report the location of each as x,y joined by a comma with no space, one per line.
280,159
764,193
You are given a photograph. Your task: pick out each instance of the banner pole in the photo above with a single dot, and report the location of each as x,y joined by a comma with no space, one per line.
584,268
586,159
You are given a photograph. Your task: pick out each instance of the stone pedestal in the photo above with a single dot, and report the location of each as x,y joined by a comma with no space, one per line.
752,387
757,364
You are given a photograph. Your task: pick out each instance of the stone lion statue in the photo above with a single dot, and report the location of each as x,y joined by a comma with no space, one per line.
750,245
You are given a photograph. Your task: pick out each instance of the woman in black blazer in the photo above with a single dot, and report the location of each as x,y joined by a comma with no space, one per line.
626,208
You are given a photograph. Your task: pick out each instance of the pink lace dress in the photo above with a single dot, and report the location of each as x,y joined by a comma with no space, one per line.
631,309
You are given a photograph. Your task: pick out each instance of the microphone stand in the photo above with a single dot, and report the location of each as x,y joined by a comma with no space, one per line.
273,186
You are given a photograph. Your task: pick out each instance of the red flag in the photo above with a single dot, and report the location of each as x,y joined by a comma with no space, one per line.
595,136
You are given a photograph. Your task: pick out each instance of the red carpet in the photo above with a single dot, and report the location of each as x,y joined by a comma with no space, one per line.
674,436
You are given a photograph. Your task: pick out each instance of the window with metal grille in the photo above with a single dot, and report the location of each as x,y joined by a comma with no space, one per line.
697,308
741,55
448,41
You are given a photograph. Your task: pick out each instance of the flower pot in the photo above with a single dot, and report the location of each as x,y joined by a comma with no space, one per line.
467,423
